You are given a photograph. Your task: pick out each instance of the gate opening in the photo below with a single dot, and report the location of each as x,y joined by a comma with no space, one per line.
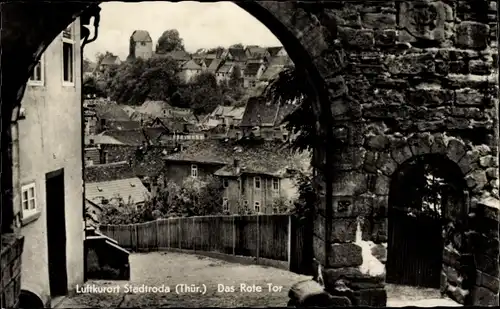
426,192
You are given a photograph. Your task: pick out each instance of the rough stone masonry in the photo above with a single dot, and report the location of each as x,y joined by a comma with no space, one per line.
420,78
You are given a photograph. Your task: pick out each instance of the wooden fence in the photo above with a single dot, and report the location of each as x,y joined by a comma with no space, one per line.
278,237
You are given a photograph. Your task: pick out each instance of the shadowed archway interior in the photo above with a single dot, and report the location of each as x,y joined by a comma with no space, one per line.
426,193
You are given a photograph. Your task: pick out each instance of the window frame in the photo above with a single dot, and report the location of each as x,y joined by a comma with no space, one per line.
194,167
255,205
255,183
27,213
41,82
225,204
71,41
276,181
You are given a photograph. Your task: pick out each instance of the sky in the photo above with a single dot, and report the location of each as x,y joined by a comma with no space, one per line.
200,25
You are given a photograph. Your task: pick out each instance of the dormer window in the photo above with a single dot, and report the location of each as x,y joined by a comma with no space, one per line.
99,189
276,184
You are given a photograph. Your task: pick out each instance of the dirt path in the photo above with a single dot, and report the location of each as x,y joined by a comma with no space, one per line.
162,270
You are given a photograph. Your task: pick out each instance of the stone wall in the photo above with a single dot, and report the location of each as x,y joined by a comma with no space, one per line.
10,289
420,80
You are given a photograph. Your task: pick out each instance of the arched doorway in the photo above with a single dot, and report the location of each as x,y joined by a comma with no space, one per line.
425,192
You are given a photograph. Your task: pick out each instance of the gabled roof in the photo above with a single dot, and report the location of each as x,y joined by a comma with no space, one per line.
141,36
225,68
191,65
111,111
228,111
256,51
214,65
102,139
271,73
278,158
259,112
274,50
280,61
251,69
238,54
110,60
153,107
130,190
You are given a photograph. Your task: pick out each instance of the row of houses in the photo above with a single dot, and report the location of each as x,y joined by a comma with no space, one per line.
256,64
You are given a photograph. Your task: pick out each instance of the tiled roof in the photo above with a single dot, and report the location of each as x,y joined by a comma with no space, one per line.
259,111
256,51
102,139
250,156
107,172
214,65
110,60
111,111
191,65
131,190
225,68
274,50
127,137
129,110
141,36
153,107
238,54
271,73
252,68
280,61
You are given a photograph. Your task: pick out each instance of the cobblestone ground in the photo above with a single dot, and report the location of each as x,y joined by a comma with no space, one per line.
170,269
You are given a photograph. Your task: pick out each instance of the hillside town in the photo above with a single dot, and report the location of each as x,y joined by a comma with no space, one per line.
133,152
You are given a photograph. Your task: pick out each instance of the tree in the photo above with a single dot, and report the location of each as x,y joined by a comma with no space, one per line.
86,65
138,80
205,93
238,45
100,56
235,80
169,41
291,86
90,88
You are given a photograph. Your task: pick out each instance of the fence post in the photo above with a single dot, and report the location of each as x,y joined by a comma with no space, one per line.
258,237
192,236
179,229
234,236
136,237
168,230
157,235
289,245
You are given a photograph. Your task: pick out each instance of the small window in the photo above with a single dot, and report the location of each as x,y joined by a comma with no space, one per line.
256,206
194,170
225,183
225,204
28,200
245,203
68,62
37,78
276,184
256,182
143,43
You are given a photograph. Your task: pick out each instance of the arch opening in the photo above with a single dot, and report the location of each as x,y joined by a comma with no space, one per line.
29,299
426,193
